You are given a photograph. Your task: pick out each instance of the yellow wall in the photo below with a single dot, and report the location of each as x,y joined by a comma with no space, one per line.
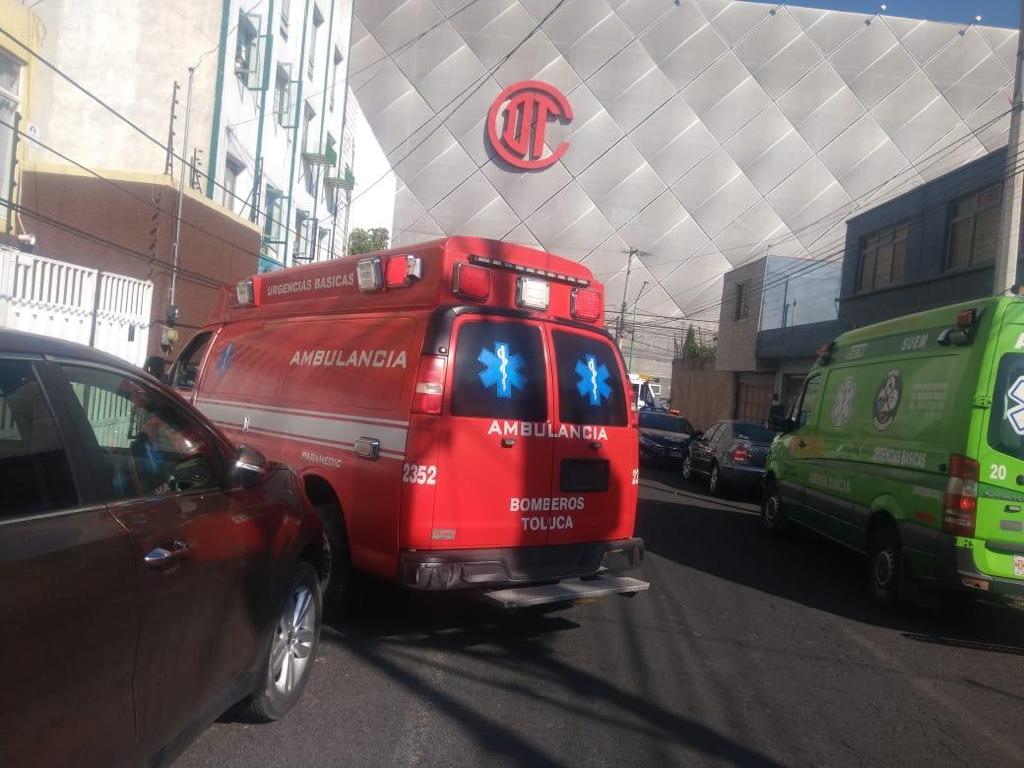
28,30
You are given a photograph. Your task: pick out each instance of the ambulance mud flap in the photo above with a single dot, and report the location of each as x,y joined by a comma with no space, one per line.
565,591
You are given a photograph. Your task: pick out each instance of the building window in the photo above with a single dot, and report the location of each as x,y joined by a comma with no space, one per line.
318,21
283,96
232,173
338,58
300,251
742,301
285,12
309,115
272,229
10,88
247,50
883,258
322,244
974,228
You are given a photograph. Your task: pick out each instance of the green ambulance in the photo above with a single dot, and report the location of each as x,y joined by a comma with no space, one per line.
906,443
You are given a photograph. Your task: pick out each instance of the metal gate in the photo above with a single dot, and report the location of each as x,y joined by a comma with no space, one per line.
754,396
66,301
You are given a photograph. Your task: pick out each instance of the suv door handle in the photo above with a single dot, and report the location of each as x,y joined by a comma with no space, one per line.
802,444
165,554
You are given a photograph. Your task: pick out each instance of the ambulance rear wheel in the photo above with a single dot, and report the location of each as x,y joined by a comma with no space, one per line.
339,594
772,513
884,563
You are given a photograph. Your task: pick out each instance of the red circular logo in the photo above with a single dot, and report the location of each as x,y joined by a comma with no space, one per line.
518,120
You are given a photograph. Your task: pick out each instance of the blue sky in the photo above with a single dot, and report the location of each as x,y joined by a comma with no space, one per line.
996,13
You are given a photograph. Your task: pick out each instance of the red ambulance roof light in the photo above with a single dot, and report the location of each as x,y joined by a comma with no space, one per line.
471,282
585,304
245,291
402,271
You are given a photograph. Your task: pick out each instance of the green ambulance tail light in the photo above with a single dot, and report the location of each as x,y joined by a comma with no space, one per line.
961,507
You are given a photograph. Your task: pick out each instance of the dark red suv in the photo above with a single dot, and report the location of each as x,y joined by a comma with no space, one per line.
151,574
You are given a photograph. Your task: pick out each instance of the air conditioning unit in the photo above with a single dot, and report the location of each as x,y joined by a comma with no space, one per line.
320,152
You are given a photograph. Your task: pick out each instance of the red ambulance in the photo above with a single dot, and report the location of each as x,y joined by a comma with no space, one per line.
458,414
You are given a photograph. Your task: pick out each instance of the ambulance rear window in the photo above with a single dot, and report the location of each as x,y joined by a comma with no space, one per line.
1006,420
590,389
500,372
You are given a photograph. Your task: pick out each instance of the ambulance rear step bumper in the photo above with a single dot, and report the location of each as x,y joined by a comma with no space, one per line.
567,591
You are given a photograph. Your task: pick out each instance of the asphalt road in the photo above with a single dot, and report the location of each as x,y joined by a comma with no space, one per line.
745,651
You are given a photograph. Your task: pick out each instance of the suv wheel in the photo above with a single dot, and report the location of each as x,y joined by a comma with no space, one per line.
687,469
884,563
289,660
772,513
714,481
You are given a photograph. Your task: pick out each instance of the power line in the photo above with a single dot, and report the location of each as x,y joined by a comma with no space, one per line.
152,261
78,86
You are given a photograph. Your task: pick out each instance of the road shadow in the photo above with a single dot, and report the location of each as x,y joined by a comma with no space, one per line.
726,539
415,639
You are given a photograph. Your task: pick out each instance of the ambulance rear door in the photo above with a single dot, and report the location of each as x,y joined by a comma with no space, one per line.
596,450
494,452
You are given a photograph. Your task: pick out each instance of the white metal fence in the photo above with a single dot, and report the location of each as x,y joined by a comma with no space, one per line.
55,298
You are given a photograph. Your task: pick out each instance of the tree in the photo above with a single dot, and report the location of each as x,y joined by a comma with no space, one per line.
367,240
690,345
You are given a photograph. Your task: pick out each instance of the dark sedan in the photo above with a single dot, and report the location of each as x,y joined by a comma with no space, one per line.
151,574
664,437
730,454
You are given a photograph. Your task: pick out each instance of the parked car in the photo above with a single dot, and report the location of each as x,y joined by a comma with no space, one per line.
907,444
664,437
151,574
730,454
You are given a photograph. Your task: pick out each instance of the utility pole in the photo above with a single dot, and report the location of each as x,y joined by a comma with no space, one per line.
1013,186
632,335
625,289
169,163
170,333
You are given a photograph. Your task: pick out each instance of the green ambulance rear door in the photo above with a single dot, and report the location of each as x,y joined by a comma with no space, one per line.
999,528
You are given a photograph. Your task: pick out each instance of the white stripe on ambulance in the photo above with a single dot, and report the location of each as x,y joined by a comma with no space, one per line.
338,429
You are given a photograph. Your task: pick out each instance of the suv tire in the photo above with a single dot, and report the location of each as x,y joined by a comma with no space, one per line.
291,651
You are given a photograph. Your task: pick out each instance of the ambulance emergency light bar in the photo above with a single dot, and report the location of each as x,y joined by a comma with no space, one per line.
375,273
531,271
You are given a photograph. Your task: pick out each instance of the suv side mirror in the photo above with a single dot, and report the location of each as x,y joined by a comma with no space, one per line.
250,466
156,367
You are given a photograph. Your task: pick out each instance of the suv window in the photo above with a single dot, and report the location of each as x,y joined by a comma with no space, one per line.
187,369
590,388
35,475
709,436
665,422
1006,423
500,372
755,433
147,445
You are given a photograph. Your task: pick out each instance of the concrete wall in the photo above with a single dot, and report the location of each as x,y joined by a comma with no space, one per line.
926,283
27,32
737,337
106,226
702,394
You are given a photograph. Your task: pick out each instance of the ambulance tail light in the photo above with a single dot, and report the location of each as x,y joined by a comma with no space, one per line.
472,282
961,507
532,293
586,305
402,271
429,394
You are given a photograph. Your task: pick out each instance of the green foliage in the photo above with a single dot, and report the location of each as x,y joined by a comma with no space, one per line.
367,240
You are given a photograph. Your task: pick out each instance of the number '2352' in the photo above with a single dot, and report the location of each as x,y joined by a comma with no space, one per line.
419,474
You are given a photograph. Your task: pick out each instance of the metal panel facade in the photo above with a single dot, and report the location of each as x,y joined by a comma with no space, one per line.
705,132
